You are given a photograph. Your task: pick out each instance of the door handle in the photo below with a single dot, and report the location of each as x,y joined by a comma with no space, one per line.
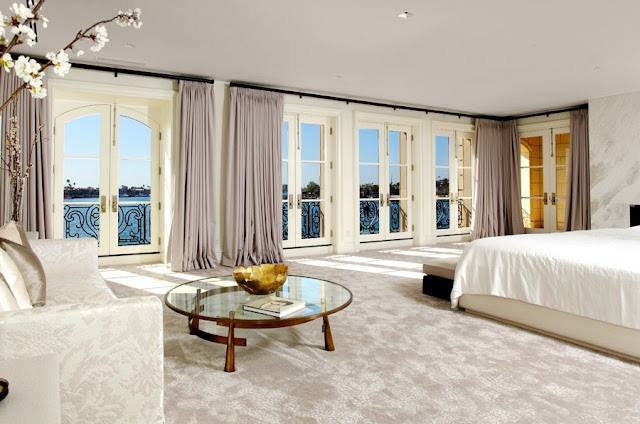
103,204
299,201
291,201
553,198
545,198
114,203
388,201
381,200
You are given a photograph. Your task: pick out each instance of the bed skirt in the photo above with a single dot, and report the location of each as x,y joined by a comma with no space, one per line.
609,338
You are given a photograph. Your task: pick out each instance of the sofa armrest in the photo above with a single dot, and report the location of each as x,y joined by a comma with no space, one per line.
110,356
57,255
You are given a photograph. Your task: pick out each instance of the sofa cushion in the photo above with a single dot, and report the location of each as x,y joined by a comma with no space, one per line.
30,268
8,301
69,287
442,267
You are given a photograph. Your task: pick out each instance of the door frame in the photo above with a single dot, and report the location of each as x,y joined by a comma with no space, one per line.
548,131
453,131
109,143
295,119
384,126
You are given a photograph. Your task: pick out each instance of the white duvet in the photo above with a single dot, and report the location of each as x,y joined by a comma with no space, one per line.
593,273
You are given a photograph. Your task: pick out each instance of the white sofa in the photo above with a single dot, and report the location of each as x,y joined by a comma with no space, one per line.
109,350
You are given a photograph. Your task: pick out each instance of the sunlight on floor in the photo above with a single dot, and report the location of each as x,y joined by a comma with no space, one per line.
158,278
368,265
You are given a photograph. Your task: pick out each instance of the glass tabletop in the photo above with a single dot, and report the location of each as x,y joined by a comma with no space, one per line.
221,295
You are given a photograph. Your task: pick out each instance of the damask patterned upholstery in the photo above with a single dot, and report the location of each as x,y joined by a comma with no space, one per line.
110,351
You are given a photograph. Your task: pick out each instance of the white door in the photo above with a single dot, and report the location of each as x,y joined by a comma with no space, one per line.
453,178
106,178
384,174
305,181
543,178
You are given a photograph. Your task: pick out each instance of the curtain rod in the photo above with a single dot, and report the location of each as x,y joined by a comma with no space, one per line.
362,102
117,71
550,112
394,107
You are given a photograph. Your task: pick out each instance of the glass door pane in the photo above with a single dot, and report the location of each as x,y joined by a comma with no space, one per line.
464,182
134,182
285,180
312,164
81,175
443,199
369,184
399,173
561,155
532,181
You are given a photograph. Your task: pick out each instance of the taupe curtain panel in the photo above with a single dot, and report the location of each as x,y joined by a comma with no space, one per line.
253,207
31,113
498,209
578,211
193,231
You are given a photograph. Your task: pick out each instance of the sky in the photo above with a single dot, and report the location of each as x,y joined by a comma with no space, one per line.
310,150
442,157
82,139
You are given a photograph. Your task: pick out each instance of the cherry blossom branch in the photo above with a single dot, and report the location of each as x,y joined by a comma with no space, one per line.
16,37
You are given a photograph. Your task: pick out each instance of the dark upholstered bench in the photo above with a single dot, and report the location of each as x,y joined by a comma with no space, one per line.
440,273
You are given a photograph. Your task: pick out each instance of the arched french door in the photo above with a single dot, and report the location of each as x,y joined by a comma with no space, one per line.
106,178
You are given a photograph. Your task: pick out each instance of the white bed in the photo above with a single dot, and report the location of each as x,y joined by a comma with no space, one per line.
583,286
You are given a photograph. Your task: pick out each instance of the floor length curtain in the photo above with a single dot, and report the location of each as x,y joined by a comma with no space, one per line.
498,210
193,231
32,114
578,209
253,208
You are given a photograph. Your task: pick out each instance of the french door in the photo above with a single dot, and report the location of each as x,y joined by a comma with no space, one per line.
305,181
384,170
543,178
106,178
453,177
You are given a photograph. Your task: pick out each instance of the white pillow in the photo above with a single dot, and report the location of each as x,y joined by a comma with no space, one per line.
13,231
14,280
7,301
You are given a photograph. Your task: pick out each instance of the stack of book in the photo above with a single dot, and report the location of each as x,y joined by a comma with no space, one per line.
274,306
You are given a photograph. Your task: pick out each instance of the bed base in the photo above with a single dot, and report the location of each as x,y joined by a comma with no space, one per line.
612,339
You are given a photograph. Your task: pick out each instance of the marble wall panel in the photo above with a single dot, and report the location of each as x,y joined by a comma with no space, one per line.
614,150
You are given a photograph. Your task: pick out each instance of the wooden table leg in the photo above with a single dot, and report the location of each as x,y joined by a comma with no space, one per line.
229,364
326,329
193,325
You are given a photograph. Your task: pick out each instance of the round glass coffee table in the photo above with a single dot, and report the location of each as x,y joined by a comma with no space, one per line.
220,299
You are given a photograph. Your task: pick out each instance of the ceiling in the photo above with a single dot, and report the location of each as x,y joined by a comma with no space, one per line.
492,57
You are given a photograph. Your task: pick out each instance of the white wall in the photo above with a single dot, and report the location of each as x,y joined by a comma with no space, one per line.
614,150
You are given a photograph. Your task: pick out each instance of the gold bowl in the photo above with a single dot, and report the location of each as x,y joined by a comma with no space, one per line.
261,279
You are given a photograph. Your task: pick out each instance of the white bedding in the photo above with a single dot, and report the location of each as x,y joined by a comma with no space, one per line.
593,273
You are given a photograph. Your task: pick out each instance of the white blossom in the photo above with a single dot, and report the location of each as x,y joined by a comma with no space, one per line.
78,52
129,18
45,21
25,34
38,92
6,61
21,11
60,62
99,38
28,69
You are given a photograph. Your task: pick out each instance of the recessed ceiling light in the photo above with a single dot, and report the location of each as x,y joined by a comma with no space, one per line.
405,15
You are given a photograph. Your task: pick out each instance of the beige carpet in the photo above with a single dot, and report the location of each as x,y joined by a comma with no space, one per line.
400,357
